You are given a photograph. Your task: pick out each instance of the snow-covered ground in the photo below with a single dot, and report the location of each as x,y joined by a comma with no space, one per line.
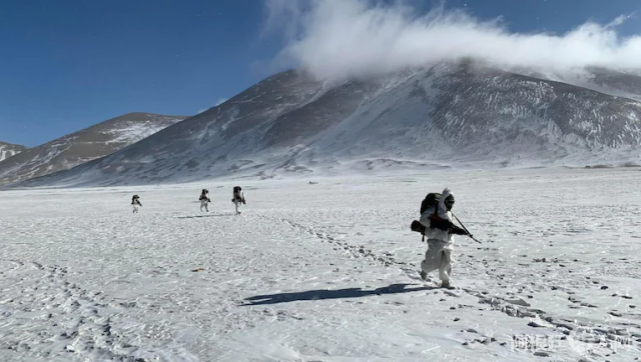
324,271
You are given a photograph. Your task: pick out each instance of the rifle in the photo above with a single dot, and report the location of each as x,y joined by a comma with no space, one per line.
464,228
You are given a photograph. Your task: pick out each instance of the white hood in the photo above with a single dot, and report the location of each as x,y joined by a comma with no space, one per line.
442,209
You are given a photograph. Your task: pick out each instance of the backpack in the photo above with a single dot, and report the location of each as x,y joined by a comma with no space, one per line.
431,200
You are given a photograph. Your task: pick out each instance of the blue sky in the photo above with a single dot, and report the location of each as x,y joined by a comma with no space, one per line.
68,64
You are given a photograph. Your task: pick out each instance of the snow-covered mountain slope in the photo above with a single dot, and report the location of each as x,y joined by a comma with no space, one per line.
82,146
8,150
614,82
450,114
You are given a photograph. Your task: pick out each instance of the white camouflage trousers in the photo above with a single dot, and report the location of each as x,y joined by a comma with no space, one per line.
438,256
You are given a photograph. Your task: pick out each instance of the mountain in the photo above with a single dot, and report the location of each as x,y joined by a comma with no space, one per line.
7,150
610,81
74,149
457,114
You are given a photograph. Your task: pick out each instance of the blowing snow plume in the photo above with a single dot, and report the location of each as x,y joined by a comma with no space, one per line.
359,38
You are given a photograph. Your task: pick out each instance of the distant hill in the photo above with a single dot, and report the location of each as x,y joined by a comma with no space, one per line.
8,150
82,146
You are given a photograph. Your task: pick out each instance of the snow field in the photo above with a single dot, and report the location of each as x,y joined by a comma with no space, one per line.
323,272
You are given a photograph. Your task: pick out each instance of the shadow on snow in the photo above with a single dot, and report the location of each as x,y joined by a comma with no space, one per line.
331,294
207,215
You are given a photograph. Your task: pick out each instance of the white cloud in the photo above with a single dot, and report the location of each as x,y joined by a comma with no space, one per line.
336,38
218,102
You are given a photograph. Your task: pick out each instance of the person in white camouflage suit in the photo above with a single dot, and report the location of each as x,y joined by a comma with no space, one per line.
239,198
439,231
